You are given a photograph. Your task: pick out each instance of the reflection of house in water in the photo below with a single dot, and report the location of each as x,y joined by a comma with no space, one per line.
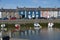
30,12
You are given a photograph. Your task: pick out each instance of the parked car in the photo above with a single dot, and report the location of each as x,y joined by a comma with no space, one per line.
13,18
5,18
42,18
58,17
0,18
52,18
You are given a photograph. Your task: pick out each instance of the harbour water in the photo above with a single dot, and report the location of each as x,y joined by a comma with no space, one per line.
43,34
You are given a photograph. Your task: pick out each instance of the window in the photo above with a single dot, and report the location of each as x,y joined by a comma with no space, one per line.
29,12
36,12
21,12
33,15
0,14
37,16
29,16
59,13
33,12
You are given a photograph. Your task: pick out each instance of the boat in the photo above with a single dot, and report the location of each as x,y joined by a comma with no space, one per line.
37,26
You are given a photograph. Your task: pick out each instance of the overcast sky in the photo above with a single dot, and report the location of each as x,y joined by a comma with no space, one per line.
29,3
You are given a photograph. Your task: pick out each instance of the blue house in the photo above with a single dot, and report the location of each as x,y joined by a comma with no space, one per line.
29,13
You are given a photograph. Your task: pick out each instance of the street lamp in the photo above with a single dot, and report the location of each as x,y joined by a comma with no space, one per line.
2,28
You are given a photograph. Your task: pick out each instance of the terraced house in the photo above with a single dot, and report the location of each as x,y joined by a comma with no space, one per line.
29,13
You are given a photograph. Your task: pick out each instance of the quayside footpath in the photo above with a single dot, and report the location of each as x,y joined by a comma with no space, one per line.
17,39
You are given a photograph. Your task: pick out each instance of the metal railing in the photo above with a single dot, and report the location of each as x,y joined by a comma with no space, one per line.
21,21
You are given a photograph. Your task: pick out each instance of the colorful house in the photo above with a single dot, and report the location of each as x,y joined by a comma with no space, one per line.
30,13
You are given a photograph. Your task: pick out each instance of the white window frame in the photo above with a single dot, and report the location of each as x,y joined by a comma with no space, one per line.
29,16
36,12
33,15
37,16
21,12
59,13
29,12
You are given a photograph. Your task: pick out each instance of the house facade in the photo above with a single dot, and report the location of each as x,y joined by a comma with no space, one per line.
30,13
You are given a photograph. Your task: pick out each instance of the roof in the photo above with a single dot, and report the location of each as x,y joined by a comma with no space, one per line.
7,10
28,9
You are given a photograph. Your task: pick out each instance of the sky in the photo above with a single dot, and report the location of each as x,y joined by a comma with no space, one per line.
29,3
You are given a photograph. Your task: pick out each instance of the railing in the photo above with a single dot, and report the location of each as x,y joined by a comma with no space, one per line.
21,21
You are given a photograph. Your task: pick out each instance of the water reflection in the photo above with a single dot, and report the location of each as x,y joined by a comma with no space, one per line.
44,34
50,33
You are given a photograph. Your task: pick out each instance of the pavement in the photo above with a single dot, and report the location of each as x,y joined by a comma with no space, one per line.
15,39
18,39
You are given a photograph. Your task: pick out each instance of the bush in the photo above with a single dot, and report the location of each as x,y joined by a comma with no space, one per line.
27,26
56,25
